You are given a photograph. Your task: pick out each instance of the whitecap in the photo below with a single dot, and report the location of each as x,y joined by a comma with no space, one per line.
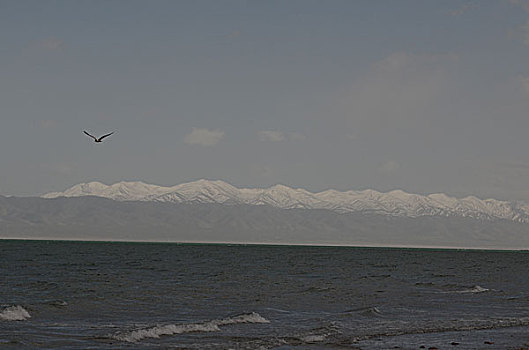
171,329
474,289
14,313
468,290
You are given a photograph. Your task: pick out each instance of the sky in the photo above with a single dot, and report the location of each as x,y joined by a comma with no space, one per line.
424,96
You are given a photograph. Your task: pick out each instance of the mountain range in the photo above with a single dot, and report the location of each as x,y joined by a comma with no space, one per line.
396,203
215,211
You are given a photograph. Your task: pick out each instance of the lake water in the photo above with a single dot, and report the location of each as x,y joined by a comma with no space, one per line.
80,295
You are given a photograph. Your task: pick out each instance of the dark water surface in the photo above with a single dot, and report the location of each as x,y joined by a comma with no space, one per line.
80,295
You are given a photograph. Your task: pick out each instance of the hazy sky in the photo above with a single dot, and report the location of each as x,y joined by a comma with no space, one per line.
425,96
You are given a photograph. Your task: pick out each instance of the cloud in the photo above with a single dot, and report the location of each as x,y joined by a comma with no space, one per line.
204,137
278,136
50,43
271,135
461,10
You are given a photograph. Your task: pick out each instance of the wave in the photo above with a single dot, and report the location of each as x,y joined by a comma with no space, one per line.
171,329
334,335
460,289
14,313
56,303
365,311
454,326
474,289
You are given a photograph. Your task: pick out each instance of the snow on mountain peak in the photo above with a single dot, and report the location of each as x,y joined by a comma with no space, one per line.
394,203
119,191
204,191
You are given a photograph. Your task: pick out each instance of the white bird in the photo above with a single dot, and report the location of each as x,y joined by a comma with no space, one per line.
98,139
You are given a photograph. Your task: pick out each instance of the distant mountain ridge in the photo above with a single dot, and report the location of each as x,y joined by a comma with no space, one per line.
394,203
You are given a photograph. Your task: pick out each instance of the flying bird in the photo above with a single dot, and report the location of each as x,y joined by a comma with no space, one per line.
98,139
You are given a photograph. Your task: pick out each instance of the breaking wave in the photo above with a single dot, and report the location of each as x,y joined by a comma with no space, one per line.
171,329
14,313
473,289
364,311
466,290
369,311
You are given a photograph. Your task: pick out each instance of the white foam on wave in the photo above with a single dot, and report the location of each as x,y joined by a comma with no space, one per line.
474,289
14,313
469,290
171,329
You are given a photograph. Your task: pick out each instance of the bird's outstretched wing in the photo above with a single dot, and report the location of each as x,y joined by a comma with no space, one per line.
102,137
92,136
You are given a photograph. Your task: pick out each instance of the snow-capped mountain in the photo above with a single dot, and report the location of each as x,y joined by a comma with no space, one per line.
394,203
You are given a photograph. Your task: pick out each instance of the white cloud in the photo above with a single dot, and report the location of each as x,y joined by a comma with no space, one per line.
271,135
204,137
278,136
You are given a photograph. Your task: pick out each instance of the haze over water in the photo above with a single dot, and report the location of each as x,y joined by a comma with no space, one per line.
80,295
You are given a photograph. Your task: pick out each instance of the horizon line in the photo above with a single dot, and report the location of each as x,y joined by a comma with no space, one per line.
272,244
